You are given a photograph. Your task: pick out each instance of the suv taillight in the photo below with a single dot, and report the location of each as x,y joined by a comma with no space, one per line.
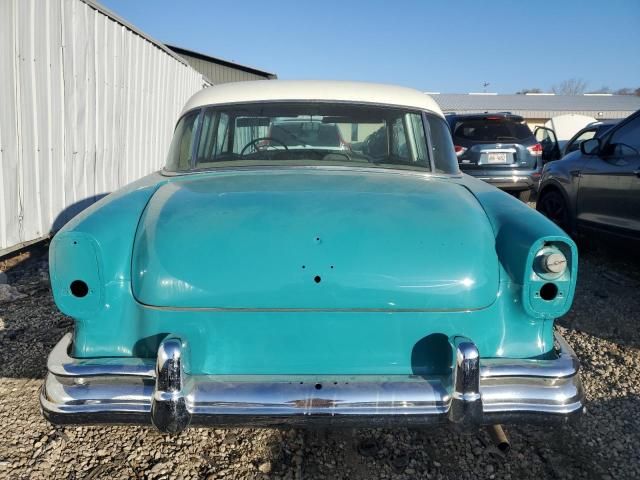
459,150
535,150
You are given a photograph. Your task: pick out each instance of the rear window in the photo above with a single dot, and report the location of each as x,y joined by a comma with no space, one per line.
483,130
303,133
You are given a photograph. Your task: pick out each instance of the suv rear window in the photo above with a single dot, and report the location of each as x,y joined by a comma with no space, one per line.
490,130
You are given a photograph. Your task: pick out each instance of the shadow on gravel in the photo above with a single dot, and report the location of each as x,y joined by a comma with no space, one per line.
569,451
29,325
608,291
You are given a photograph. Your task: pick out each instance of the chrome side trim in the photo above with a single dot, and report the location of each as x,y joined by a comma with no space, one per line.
475,393
303,310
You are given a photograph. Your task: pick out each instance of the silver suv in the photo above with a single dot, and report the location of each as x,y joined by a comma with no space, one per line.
498,148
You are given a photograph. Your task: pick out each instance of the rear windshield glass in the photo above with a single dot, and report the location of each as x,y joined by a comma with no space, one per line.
485,130
307,134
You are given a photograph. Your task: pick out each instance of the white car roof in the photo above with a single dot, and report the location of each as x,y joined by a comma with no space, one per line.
318,90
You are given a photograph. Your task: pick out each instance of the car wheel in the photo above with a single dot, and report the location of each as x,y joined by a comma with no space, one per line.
553,206
524,195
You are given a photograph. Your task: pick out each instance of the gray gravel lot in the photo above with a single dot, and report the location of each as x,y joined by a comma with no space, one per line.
602,328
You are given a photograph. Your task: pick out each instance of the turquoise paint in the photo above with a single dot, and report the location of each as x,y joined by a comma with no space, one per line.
507,323
308,342
76,256
520,233
326,239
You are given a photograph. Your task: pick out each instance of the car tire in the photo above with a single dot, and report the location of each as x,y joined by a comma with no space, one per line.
553,206
524,195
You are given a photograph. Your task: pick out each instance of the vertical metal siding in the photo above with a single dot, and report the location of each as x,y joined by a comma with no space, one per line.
86,106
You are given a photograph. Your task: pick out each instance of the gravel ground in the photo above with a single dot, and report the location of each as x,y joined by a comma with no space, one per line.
602,327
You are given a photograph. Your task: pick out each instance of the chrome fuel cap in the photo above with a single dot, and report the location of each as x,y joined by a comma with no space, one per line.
555,262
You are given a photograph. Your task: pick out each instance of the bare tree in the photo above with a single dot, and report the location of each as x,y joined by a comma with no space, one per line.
603,89
524,91
628,91
573,86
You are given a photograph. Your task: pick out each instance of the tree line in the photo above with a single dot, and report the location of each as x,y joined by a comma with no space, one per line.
577,86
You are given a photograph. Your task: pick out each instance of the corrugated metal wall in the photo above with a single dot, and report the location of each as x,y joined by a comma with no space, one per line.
86,106
220,73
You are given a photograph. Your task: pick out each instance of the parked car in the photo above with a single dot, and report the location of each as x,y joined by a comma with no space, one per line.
551,148
498,148
254,284
598,186
596,129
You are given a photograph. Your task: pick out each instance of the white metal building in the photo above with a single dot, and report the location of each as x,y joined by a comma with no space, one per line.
537,108
87,104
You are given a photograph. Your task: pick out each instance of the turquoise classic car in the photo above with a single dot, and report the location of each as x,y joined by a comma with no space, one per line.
311,254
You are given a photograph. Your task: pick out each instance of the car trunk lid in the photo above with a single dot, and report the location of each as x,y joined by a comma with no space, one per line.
316,239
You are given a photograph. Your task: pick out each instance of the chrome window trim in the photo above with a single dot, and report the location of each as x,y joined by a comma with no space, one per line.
427,135
427,125
196,140
246,168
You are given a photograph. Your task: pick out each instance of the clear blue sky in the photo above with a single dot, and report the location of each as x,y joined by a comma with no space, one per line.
443,46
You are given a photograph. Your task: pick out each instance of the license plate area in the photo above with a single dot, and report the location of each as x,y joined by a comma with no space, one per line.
496,157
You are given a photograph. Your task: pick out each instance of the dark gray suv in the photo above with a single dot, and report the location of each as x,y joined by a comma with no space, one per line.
498,148
598,186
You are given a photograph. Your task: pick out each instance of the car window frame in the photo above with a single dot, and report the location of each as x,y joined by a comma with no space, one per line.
576,139
608,135
197,118
427,125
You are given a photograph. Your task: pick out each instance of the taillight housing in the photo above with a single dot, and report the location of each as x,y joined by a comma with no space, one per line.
459,150
535,150
550,277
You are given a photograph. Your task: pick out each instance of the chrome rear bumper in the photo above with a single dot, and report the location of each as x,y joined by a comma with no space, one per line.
160,392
